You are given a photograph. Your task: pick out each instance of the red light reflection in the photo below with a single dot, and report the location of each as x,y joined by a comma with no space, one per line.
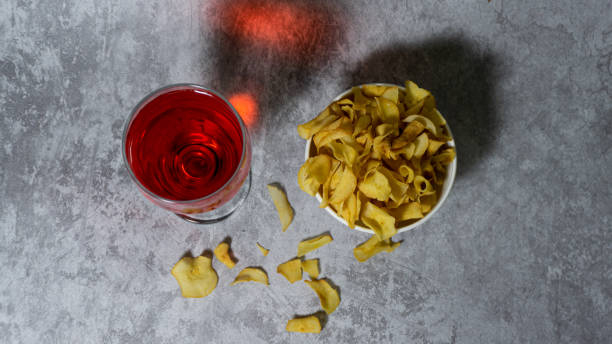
288,28
246,105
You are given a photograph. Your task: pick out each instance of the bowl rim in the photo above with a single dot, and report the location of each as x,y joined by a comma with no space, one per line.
451,173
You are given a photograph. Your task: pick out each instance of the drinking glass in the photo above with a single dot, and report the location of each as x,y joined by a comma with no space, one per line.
188,151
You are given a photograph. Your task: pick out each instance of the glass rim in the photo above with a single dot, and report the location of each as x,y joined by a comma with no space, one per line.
151,95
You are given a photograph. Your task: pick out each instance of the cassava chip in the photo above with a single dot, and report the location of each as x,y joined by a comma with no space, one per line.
313,244
311,266
291,270
345,187
284,209
251,274
307,130
308,324
407,211
376,186
222,253
263,250
373,247
327,294
195,276
313,173
379,221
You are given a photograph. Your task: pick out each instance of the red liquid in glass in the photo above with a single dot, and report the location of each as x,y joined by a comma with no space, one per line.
184,144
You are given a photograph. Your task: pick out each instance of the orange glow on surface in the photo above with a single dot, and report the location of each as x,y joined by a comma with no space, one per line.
246,105
288,28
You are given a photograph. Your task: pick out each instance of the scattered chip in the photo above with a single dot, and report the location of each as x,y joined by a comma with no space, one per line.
252,274
327,295
311,266
292,270
313,244
308,324
372,247
263,250
222,253
285,211
195,276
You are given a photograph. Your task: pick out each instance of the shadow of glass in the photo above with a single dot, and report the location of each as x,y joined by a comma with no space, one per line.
459,74
268,50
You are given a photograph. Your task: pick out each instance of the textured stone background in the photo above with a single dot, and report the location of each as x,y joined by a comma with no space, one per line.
520,253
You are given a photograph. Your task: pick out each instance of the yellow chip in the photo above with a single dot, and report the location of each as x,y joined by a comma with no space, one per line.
350,210
362,124
327,294
375,186
313,244
426,122
336,168
284,209
414,93
389,111
307,130
311,266
421,142
291,270
252,274
391,94
427,202
423,186
345,187
379,221
434,146
360,101
263,250
313,173
222,253
412,130
308,324
344,153
373,90
324,137
372,247
195,276
398,188
407,211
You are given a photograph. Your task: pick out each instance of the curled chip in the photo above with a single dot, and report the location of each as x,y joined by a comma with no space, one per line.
373,247
292,270
195,276
311,266
376,186
327,295
408,211
308,324
389,149
285,211
307,130
379,221
263,250
313,173
252,274
345,187
222,253
313,244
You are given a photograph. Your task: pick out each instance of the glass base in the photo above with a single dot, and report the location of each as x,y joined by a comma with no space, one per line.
223,212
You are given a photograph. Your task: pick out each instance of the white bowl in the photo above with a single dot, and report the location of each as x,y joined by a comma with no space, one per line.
448,181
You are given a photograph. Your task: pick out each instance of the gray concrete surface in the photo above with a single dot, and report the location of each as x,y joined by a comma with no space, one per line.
520,253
